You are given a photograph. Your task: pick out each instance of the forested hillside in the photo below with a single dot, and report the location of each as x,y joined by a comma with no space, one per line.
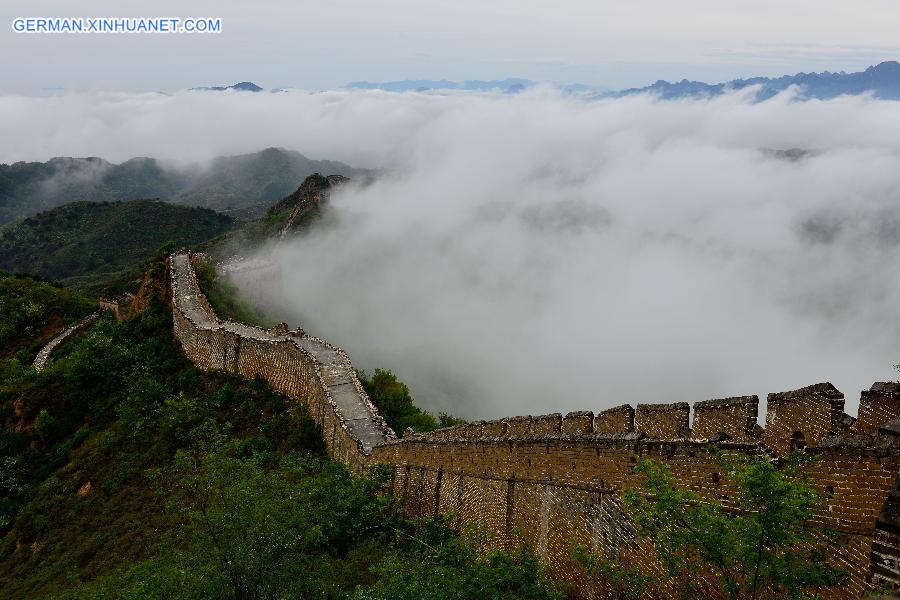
129,473
245,184
88,245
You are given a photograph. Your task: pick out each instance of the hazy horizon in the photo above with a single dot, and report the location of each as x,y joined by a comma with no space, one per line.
617,45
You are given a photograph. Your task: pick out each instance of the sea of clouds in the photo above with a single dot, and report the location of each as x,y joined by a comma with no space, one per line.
538,252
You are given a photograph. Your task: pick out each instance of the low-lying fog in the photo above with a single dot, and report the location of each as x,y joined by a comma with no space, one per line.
535,253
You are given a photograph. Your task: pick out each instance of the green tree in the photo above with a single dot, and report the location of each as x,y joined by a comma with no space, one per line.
762,542
437,563
394,402
257,530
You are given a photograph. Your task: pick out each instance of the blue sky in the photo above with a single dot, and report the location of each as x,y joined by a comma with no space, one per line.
319,45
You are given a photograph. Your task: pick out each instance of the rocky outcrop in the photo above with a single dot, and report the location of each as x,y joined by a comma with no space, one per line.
310,196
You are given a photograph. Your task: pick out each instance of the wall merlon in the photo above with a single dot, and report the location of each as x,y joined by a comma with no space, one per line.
578,422
803,417
615,420
546,424
663,421
518,426
734,418
877,405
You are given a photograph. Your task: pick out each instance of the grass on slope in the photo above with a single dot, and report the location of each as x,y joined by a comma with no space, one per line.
253,181
32,312
225,298
85,243
129,473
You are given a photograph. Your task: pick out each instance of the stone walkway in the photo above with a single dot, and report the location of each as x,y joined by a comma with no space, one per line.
334,365
40,361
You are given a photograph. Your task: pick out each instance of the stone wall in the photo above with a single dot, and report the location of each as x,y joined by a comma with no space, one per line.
43,355
303,368
551,489
551,480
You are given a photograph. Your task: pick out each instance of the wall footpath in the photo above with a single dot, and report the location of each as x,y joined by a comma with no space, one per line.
40,361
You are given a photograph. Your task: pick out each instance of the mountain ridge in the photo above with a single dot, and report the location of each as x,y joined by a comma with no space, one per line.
882,80
91,244
226,183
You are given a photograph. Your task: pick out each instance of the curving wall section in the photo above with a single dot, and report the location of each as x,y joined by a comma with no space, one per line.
303,368
43,356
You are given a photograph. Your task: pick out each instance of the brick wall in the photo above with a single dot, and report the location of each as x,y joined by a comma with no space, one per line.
554,489
614,420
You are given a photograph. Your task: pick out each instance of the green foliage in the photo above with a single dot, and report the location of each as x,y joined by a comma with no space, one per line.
85,243
244,184
611,578
257,528
393,400
127,473
436,563
765,544
225,298
116,403
32,311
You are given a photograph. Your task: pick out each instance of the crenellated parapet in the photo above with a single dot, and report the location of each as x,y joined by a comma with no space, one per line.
802,417
877,405
734,418
663,421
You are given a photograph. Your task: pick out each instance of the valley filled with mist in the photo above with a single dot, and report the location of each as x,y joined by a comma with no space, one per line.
538,252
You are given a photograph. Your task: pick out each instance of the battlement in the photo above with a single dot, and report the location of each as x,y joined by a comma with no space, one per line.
735,417
803,417
799,418
663,421
613,420
877,405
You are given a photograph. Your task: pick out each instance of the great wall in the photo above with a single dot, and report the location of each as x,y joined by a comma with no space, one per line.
553,480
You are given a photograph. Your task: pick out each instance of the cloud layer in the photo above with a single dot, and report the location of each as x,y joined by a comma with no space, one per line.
535,253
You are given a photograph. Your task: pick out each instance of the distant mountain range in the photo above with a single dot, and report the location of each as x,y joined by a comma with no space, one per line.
228,183
510,85
882,80
244,86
